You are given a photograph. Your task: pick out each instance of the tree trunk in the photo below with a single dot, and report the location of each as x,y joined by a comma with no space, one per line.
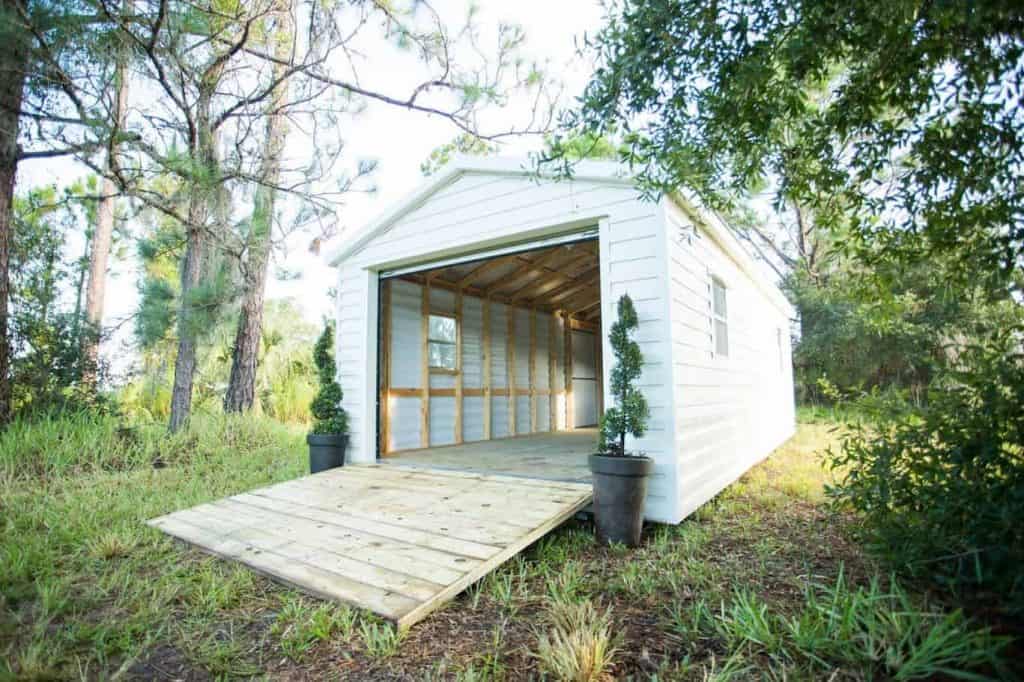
241,392
191,277
99,252
203,203
13,64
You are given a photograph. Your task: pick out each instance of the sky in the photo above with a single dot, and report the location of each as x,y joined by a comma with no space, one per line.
397,139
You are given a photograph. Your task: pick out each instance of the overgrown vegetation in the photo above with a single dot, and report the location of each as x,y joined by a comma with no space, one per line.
890,139
764,581
941,497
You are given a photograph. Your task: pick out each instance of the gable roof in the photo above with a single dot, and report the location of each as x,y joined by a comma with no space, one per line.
605,172
594,171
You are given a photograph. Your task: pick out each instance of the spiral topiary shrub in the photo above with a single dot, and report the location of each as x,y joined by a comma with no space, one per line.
329,417
630,413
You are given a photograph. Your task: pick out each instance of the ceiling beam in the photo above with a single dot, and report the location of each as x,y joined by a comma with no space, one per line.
584,308
532,291
523,270
484,268
574,288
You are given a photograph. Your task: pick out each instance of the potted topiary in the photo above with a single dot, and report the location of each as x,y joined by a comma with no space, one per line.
620,477
329,437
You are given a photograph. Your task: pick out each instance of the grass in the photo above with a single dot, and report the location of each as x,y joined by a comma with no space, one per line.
762,582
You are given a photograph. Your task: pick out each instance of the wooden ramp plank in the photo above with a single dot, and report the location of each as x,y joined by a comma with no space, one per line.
400,542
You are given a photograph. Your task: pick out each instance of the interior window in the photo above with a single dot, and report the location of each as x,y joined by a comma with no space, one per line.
441,334
719,311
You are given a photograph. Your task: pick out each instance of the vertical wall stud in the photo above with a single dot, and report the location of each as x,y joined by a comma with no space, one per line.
599,362
425,370
552,392
510,359
486,355
570,422
458,365
385,367
533,370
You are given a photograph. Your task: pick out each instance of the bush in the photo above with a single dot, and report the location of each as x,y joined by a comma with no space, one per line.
941,487
329,416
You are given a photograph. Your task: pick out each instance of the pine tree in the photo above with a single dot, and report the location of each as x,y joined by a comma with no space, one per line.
630,413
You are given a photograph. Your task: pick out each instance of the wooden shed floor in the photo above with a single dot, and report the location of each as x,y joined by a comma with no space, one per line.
555,456
397,541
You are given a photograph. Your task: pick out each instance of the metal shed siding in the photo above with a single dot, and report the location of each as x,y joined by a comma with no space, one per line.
709,421
634,261
474,211
732,411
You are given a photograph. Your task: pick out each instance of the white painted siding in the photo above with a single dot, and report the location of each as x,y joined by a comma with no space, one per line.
473,212
711,417
730,411
634,261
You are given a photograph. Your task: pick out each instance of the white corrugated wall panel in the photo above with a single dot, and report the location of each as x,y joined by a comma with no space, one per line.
405,423
522,415
406,335
543,413
499,416
472,342
472,418
499,347
541,368
442,420
522,348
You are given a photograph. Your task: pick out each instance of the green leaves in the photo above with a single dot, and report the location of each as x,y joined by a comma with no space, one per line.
329,417
904,116
630,413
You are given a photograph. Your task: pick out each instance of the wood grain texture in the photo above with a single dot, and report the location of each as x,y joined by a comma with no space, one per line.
398,541
425,369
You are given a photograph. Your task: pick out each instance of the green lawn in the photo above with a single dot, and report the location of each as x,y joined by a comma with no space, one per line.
763,581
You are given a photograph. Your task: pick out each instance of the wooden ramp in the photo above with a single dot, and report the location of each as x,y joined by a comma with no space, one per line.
399,542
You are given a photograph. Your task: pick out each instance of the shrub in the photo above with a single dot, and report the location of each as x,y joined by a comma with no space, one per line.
329,416
941,487
630,413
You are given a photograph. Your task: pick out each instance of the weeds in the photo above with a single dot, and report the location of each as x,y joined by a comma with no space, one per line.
381,639
868,629
578,645
301,625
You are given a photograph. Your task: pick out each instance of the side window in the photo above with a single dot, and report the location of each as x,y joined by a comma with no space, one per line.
441,335
720,317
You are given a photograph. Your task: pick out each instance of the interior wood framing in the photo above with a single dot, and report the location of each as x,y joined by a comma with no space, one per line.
563,281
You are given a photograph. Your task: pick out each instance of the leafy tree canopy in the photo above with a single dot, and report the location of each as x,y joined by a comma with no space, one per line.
901,117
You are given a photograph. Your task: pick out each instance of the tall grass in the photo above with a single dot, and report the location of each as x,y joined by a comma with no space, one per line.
84,583
870,630
80,443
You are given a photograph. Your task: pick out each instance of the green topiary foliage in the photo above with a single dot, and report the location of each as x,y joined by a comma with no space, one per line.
630,412
329,416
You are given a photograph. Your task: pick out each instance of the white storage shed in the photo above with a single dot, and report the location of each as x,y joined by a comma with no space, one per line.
472,317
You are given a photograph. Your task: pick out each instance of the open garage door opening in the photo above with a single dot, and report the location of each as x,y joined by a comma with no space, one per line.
494,364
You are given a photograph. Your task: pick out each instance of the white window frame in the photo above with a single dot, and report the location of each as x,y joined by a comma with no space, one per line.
443,342
717,317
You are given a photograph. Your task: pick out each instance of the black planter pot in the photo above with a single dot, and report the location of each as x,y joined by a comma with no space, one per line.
326,451
620,488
